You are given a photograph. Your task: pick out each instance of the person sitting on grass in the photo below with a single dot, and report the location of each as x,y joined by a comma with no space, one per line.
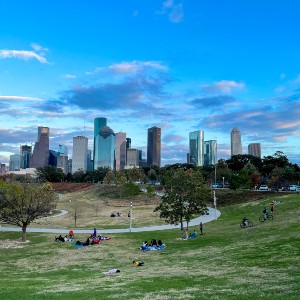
59,239
193,235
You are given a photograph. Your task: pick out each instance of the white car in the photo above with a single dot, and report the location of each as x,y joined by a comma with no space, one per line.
293,187
263,187
298,188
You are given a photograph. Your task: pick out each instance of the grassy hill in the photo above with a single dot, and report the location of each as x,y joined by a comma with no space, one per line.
228,262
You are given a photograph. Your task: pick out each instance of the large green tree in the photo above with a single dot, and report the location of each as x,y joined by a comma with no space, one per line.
22,203
185,195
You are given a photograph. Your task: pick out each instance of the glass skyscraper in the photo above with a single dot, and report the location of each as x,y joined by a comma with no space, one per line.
105,146
254,149
210,152
25,155
99,123
80,151
120,150
196,148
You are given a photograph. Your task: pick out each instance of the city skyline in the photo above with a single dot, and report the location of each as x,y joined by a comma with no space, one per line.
179,65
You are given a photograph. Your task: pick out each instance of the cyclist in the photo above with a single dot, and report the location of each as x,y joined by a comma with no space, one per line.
266,213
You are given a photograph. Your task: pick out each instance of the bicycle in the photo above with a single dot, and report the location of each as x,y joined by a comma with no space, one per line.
247,223
262,218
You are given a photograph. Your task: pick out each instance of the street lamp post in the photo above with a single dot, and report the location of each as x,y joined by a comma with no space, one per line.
130,224
223,182
215,205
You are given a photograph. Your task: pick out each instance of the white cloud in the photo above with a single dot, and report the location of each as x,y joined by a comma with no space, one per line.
38,48
280,89
223,86
69,76
23,54
282,76
174,11
19,98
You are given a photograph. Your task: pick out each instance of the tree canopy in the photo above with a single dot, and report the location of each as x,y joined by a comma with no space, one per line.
22,203
185,195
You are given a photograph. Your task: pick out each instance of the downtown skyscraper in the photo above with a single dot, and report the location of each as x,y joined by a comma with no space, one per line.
80,151
210,152
254,149
236,142
40,155
196,148
120,150
154,146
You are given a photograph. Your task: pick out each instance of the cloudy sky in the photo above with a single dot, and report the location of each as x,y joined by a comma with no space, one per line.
182,65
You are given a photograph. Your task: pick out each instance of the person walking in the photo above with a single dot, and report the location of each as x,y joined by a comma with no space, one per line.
201,228
272,207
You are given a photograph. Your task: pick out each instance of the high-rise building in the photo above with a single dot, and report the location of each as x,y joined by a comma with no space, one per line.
62,158
40,155
80,149
210,152
105,145
132,158
254,149
120,150
154,146
236,143
53,155
25,155
128,143
14,162
90,162
99,123
196,148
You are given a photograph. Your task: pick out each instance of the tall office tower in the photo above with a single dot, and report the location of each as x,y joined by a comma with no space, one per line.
105,143
236,143
80,149
2,168
90,162
154,146
62,158
210,152
62,149
40,155
99,123
132,158
128,143
25,155
196,147
14,162
53,155
120,150
254,149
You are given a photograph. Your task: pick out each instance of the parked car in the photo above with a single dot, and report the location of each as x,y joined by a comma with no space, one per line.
285,188
298,188
263,187
292,187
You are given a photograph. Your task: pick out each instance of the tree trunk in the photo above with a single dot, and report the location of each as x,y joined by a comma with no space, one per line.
24,227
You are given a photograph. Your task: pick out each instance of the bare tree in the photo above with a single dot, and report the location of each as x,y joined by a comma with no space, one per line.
22,203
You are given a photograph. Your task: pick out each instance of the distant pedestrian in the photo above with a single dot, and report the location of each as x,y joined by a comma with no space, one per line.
272,207
201,228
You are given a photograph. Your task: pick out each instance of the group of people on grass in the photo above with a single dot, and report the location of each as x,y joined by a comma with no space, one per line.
91,240
153,245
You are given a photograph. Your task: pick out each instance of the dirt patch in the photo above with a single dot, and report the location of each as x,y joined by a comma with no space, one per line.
11,244
67,187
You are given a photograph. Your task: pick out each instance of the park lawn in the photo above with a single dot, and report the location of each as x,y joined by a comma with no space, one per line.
228,262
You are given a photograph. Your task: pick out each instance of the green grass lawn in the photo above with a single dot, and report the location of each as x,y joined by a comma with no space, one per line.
228,262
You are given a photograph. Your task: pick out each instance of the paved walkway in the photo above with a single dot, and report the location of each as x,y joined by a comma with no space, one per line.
212,215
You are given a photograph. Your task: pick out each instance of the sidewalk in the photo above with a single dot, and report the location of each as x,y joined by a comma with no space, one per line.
212,215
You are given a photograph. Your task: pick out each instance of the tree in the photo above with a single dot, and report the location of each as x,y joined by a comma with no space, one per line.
22,203
185,195
50,174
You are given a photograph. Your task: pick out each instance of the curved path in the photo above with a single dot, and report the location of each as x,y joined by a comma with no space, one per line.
212,215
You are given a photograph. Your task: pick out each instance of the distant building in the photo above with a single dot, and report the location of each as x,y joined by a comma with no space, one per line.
14,162
62,158
196,148
90,162
105,143
210,152
80,149
254,149
25,155
236,142
132,158
120,150
53,155
99,123
128,143
154,146
40,155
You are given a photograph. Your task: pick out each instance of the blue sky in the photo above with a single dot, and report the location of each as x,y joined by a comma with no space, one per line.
180,65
